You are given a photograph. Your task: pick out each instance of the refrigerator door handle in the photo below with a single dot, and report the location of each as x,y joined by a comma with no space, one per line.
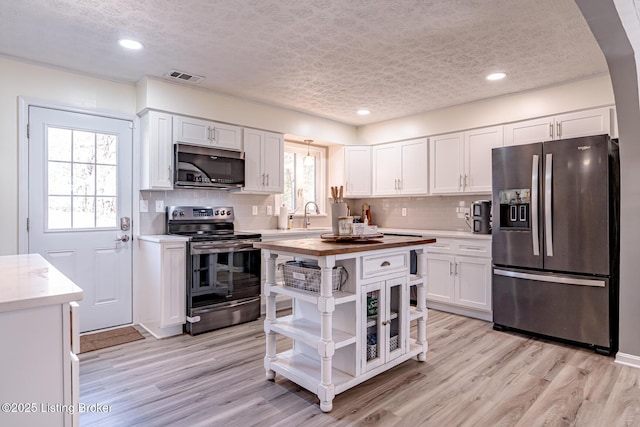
535,236
551,279
548,219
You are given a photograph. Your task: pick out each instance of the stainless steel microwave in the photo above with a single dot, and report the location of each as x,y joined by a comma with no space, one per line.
205,167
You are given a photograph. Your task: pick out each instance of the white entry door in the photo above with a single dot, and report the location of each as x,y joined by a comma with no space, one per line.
80,196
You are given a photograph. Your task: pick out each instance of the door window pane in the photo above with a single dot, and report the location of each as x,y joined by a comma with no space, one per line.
59,178
84,146
59,212
84,212
82,167
106,149
59,144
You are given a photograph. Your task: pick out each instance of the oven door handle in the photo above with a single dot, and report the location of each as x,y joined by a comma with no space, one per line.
217,249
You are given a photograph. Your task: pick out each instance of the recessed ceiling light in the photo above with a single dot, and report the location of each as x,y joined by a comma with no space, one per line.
130,44
496,76
363,112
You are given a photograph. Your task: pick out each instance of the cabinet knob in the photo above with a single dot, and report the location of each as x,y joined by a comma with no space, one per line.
385,264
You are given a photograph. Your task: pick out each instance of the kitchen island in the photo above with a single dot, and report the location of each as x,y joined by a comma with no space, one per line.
39,332
352,314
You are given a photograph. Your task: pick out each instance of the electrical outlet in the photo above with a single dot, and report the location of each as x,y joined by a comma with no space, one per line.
254,210
404,211
269,210
144,206
159,205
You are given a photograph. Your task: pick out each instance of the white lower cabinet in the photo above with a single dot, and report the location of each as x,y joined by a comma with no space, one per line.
39,366
459,277
344,337
384,304
162,279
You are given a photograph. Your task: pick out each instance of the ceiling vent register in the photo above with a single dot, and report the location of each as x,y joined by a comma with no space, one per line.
184,77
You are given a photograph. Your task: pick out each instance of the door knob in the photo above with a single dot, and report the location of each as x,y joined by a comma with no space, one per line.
124,238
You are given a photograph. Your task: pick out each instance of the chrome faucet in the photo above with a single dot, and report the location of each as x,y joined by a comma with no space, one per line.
307,221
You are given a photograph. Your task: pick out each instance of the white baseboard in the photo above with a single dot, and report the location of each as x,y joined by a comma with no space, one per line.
628,360
487,316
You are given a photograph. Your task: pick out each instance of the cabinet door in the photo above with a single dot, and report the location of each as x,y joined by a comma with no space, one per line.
414,167
583,123
253,179
386,169
396,303
529,131
173,288
157,151
478,145
372,328
273,162
446,163
191,131
228,137
473,282
357,170
440,278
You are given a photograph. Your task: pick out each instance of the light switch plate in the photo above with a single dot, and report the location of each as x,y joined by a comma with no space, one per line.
404,211
144,206
159,205
269,210
254,210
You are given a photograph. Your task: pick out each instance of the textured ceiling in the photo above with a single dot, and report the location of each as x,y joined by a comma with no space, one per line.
324,57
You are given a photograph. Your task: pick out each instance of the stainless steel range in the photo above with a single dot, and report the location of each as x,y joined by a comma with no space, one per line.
223,268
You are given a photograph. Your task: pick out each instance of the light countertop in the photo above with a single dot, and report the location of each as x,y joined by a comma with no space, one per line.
163,238
30,281
407,231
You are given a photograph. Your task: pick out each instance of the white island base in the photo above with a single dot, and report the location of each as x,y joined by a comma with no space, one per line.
344,337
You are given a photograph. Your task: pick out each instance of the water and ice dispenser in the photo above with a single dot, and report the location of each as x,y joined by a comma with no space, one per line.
515,208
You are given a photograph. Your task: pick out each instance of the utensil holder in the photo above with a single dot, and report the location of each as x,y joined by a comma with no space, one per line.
337,210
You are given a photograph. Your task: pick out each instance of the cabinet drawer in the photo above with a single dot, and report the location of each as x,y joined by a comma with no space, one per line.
479,248
383,264
442,246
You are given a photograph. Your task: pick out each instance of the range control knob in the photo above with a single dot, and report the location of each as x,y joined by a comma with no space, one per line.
228,212
181,213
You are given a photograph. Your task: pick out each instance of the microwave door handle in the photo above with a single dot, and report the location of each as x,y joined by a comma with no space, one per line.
535,236
548,218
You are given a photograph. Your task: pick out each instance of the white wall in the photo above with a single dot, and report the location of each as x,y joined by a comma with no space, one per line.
192,101
590,93
21,79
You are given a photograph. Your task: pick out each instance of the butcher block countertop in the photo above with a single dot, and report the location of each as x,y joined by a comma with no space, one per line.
322,247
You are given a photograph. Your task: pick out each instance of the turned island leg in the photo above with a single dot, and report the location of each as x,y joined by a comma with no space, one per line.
326,346
422,304
270,280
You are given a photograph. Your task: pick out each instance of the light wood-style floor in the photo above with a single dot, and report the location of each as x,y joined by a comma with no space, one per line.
473,376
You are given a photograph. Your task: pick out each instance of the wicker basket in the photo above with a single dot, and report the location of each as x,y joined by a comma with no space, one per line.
307,276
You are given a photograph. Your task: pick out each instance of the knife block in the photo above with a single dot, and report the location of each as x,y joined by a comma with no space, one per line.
337,210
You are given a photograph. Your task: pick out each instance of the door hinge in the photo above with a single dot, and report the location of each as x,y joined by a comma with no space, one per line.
28,225
27,130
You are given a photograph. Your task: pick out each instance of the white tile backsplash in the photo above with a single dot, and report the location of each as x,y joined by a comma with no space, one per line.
433,212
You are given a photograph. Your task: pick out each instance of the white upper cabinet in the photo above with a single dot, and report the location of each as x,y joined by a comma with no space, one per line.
478,144
210,134
357,170
446,163
461,162
400,168
571,125
264,161
157,151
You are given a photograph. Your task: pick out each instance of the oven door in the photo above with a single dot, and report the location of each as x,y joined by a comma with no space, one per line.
223,271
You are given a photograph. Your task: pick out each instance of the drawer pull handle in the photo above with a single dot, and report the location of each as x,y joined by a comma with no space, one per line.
385,264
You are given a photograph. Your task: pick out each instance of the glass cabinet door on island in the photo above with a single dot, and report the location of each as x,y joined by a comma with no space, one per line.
386,322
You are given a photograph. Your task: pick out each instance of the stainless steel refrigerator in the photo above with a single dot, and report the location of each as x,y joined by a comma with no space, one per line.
556,240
